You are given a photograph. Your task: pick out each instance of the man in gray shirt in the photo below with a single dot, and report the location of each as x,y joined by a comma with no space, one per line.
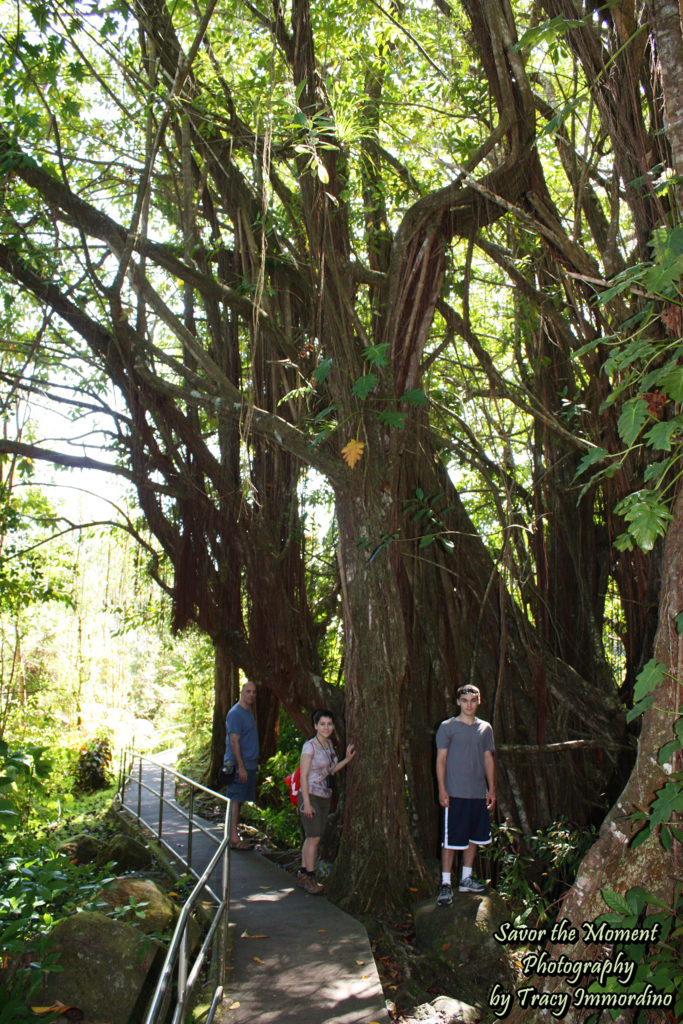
465,771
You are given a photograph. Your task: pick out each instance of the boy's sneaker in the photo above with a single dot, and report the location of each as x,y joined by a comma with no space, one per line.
471,884
445,897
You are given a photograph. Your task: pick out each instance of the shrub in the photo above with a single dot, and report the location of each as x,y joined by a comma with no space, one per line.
534,871
93,768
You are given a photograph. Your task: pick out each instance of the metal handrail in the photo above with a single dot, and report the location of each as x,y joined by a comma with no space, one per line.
192,823
177,952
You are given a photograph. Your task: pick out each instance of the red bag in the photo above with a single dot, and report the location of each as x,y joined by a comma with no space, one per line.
294,783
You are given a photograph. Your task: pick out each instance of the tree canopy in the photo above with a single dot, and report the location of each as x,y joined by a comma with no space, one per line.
429,251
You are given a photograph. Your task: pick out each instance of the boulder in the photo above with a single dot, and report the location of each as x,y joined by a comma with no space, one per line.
83,848
143,903
127,853
107,969
450,1011
462,936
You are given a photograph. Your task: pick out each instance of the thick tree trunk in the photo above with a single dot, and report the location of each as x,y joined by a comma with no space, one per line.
612,863
377,861
226,692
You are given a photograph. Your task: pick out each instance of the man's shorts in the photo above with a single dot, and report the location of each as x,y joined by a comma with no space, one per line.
314,827
465,822
243,791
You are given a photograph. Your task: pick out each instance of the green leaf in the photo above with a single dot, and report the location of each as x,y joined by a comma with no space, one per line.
647,516
426,540
615,901
648,679
547,32
323,414
590,459
561,116
377,355
667,751
392,418
636,899
362,387
621,282
679,623
632,419
639,709
671,382
667,802
415,396
661,434
322,370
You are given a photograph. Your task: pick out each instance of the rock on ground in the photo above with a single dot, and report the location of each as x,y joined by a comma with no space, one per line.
108,969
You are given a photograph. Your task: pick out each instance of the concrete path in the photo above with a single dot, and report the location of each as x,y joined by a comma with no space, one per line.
294,958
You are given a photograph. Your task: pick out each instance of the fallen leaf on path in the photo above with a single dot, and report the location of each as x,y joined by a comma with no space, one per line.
258,960
234,1006
51,1009
245,935
361,963
322,931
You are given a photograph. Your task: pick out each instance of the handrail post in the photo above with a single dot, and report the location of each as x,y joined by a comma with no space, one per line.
225,892
182,970
161,800
189,828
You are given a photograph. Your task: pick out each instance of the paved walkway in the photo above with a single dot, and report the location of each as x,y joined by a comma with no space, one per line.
294,958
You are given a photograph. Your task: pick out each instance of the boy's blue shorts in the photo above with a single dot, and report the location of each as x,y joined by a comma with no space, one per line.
466,821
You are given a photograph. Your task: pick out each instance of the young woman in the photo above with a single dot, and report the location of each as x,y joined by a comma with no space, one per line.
319,765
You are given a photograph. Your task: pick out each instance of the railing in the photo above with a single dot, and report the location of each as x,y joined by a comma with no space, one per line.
177,954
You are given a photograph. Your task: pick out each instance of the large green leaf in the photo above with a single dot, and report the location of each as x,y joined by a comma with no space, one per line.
632,419
365,385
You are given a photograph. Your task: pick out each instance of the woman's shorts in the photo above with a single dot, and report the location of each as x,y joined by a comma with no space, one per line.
465,822
242,792
314,827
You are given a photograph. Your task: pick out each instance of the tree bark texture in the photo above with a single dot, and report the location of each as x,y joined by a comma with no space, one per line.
612,863
215,443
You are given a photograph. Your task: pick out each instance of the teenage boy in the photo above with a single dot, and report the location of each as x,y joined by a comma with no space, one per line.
465,772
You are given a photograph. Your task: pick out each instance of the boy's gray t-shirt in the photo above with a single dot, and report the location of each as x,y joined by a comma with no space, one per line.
466,745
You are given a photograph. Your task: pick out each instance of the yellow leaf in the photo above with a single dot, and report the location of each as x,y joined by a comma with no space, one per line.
322,931
258,960
353,452
361,963
234,1006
